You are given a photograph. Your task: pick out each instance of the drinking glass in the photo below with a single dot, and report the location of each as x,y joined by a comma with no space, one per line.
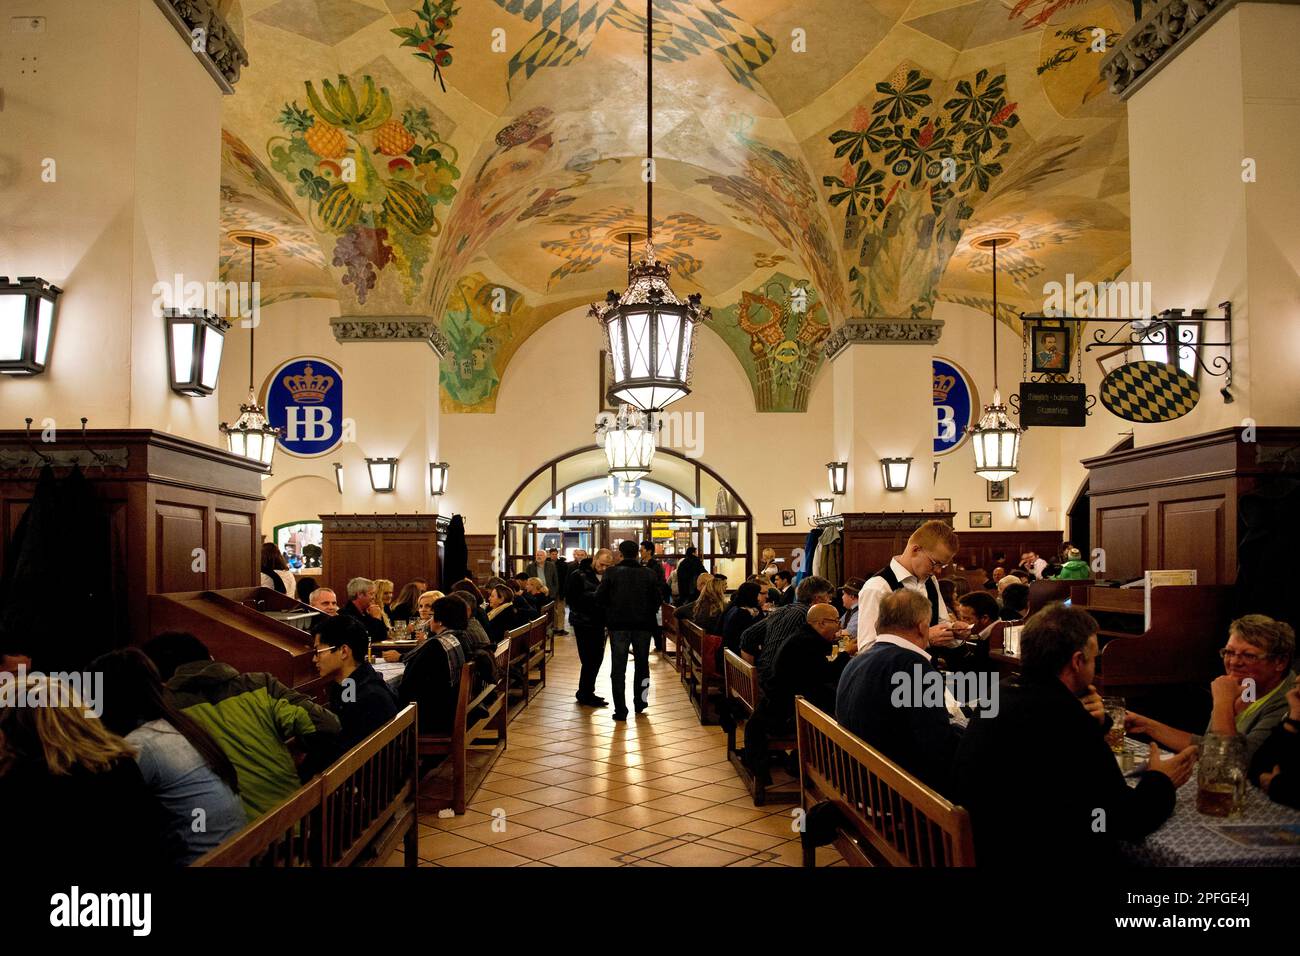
1221,775
1115,710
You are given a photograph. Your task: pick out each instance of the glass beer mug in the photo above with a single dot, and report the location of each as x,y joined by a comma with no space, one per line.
1221,776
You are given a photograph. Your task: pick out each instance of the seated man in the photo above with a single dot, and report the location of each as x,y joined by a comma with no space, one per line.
1276,767
981,612
324,600
784,582
797,666
1033,565
1034,769
252,716
362,607
433,670
1074,568
784,622
1015,601
1250,699
886,695
358,695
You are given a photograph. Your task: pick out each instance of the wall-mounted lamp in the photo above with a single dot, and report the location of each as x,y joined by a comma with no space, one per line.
1024,507
383,474
437,477
194,342
838,471
338,476
28,307
825,507
895,472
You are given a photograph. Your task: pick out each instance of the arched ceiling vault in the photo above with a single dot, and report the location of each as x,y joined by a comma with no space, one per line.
473,161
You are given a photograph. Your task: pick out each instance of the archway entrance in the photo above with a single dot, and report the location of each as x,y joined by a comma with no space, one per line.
566,504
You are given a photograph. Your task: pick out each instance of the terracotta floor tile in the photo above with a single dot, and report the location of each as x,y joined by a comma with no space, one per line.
438,845
713,792
593,806
467,819
676,803
544,818
693,854
687,827
592,830
634,840
488,802
635,816
586,856
732,816
540,845
484,856
508,786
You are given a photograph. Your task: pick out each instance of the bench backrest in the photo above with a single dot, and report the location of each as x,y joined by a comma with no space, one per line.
367,787
899,820
740,679
518,638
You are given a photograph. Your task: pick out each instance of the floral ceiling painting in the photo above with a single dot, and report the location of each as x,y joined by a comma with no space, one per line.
403,151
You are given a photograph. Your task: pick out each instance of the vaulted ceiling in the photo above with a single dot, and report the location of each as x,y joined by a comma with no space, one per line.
474,163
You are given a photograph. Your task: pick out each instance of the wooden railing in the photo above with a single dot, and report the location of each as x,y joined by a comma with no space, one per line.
352,814
890,817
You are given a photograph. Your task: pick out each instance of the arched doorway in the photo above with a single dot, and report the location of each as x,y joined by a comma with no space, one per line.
565,504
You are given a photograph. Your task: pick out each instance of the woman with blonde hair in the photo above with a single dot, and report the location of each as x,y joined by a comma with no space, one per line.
75,787
420,629
383,598
706,610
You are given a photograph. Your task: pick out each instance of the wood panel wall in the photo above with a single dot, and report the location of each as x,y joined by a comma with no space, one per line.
1173,505
397,547
784,543
184,516
480,548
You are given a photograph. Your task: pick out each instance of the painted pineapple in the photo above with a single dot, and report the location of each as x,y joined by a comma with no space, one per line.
393,139
326,141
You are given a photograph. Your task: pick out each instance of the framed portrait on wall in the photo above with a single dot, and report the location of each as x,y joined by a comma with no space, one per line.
787,517
606,377
981,519
943,505
1049,348
998,490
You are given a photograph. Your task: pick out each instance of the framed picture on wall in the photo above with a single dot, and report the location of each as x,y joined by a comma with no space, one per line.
787,517
942,505
981,519
999,490
1050,349
606,377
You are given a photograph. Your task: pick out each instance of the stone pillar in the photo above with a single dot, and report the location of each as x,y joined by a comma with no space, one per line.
883,408
1213,95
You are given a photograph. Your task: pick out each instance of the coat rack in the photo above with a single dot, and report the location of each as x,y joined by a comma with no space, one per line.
34,458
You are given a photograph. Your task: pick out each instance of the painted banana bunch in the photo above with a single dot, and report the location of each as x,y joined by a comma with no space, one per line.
340,106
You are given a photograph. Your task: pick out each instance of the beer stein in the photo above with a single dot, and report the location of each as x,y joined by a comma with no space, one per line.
1221,775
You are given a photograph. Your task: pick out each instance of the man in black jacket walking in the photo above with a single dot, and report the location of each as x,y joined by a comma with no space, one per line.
688,569
588,619
630,594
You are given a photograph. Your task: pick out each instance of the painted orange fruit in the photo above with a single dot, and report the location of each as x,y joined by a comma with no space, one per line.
326,141
393,139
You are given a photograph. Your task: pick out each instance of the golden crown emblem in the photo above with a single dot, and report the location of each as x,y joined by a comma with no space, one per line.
943,384
308,388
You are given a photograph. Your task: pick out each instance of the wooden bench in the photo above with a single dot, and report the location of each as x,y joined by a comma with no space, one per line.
528,657
891,818
740,680
353,814
452,782
548,613
703,683
671,633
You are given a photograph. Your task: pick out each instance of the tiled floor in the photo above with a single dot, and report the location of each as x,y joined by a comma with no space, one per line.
574,788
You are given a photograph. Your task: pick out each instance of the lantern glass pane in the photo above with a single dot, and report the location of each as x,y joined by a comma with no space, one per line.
182,353
237,444
638,344
213,342
688,331
44,326
670,325
13,314
615,329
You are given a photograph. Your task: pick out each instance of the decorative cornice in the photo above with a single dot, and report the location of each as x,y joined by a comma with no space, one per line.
884,521
222,55
383,328
1157,38
418,524
882,332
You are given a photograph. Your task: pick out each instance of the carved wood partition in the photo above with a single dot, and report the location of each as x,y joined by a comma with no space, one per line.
1173,505
184,516
397,547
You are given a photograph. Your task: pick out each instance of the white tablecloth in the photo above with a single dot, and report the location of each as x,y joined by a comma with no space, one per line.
391,673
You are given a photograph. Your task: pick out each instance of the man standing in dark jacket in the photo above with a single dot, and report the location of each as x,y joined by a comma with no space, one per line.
630,594
562,569
588,620
689,569
1034,770
358,695
665,590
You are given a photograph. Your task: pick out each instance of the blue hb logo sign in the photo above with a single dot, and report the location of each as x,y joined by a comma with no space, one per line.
956,406
304,399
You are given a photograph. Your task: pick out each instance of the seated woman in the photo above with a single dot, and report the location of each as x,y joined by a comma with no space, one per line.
73,789
470,588
383,598
535,591
685,611
275,571
475,632
181,763
1276,767
406,607
420,629
1250,700
502,615
742,612
707,609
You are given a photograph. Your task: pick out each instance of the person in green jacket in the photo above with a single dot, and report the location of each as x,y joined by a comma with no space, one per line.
252,716
1074,568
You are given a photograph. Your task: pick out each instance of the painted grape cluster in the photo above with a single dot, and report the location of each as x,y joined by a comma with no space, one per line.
372,180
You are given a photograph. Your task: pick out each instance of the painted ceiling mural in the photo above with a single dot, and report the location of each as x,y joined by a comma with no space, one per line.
404,151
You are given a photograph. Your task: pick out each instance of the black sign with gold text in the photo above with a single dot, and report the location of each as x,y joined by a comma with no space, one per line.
1063,404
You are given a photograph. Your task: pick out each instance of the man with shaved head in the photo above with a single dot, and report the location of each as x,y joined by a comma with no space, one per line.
588,620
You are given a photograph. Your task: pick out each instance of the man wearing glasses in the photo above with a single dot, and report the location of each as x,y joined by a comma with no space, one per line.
930,548
358,695
1250,697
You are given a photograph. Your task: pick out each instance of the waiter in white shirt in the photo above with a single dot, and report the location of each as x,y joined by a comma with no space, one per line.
931,547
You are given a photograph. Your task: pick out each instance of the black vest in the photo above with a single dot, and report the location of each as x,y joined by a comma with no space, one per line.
931,590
